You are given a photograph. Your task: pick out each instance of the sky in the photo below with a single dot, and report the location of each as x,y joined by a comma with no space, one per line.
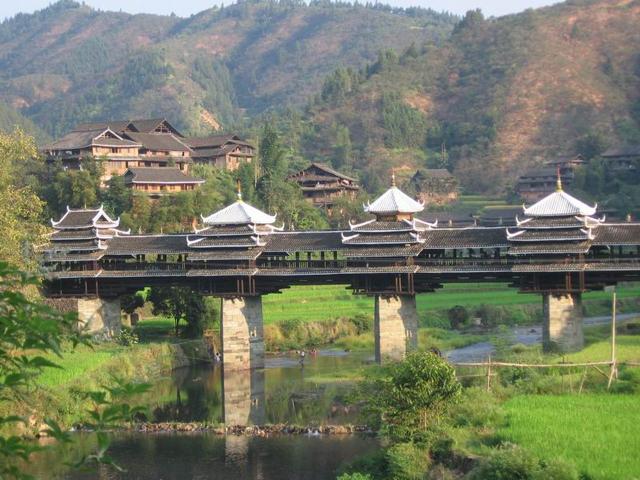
184,8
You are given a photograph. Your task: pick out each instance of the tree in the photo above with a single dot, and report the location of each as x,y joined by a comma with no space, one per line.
20,207
118,197
407,400
180,303
130,303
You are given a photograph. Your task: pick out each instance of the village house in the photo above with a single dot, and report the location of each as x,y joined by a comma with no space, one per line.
157,182
226,152
536,184
435,186
621,159
152,142
322,185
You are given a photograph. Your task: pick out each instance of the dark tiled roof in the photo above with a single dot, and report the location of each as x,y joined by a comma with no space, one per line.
323,168
224,242
160,142
617,234
74,140
80,234
448,238
383,227
551,223
624,151
555,234
78,218
116,125
304,241
380,238
550,248
445,219
69,246
141,244
158,175
215,141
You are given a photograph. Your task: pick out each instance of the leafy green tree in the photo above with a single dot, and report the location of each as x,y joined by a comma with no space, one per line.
407,400
118,197
458,316
180,303
21,209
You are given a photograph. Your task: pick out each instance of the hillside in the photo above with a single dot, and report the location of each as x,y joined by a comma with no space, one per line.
69,63
500,96
11,119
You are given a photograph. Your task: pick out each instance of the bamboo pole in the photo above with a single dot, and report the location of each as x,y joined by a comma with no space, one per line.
532,365
489,375
613,371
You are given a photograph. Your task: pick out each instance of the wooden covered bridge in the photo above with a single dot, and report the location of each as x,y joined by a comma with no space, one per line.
559,248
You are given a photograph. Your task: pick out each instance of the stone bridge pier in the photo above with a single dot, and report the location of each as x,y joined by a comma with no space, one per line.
563,322
395,326
242,333
99,315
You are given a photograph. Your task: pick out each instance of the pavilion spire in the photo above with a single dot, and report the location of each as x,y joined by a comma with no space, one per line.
239,190
393,177
559,180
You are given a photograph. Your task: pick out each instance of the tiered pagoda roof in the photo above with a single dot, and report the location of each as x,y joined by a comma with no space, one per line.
394,231
238,231
82,234
559,224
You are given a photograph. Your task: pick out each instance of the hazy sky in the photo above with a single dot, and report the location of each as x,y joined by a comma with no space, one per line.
187,7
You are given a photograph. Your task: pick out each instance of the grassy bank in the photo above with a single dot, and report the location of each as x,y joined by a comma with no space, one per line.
60,391
596,432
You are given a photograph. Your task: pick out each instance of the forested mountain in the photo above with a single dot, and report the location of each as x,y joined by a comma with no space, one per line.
69,63
500,96
10,119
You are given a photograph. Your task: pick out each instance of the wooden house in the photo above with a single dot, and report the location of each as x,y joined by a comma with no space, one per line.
322,185
536,184
227,152
621,159
156,182
434,186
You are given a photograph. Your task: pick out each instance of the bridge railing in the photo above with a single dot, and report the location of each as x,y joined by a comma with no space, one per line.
330,264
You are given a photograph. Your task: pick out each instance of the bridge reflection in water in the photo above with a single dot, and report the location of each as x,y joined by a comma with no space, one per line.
244,397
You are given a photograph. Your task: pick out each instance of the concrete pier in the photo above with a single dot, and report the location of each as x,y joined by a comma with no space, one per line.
99,315
562,328
242,333
395,326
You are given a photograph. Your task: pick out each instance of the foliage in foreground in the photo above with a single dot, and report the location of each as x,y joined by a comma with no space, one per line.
30,333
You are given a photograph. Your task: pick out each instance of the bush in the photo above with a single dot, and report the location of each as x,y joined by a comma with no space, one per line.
407,461
354,476
458,317
407,400
127,337
517,463
363,323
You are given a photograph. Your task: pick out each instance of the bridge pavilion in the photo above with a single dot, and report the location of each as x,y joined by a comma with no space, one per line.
558,247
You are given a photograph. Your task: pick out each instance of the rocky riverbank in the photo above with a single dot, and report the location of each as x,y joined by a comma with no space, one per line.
253,431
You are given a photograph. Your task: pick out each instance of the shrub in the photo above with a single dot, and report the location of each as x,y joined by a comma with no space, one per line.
458,317
127,337
407,461
407,399
354,476
517,463
363,323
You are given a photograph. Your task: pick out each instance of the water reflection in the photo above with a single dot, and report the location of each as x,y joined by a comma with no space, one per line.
283,392
244,397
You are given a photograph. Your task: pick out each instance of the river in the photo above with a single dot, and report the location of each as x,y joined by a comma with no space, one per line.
286,391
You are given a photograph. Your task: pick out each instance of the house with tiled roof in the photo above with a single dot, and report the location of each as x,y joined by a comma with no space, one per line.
321,185
156,182
227,152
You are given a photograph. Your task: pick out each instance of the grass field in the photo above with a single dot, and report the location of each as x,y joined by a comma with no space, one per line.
597,433
324,302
